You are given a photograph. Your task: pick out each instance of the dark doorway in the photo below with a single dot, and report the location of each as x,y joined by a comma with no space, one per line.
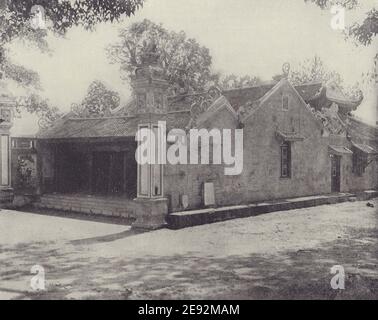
71,171
114,173
131,173
101,170
335,173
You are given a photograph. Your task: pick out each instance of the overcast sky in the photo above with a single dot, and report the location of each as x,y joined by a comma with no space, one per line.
253,37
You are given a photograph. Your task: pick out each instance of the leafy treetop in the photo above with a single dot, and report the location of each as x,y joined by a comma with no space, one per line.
61,15
99,100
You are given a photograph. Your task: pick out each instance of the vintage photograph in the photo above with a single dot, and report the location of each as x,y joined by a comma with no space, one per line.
188,150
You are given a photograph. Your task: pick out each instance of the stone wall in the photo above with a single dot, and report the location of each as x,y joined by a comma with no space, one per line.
107,206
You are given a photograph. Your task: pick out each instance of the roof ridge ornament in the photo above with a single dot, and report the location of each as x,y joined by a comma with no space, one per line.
149,68
151,55
286,69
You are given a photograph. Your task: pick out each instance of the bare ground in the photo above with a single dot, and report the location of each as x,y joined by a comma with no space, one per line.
281,255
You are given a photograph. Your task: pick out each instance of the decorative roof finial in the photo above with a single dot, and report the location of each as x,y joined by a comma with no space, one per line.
286,69
150,55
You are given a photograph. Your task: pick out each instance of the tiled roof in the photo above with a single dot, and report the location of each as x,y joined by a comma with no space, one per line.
335,94
365,148
90,128
69,128
309,90
289,136
339,150
361,130
120,125
239,97
182,102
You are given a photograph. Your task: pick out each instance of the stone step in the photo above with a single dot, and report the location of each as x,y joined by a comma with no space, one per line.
184,219
85,199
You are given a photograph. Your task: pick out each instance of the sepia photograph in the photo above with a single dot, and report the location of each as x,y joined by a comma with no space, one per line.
202,151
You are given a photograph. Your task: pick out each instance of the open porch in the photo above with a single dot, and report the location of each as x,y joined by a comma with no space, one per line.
88,175
92,167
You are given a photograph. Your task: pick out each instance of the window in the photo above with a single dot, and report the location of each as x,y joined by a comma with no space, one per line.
286,160
285,103
359,161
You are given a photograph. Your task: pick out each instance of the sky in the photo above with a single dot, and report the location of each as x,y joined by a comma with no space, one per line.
245,37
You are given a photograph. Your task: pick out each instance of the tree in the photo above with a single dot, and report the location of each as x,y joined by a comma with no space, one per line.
17,73
33,103
371,75
186,64
16,17
232,81
62,14
314,70
99,101
365,31
15,22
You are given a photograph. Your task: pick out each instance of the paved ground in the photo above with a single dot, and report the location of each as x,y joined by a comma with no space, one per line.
285,254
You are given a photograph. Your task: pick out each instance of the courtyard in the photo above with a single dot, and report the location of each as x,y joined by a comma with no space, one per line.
287,254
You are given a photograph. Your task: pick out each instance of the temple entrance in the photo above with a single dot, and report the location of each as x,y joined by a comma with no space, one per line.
335,173
98,168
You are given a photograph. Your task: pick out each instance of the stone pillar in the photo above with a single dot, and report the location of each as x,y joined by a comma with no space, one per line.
150,213
150,107
376,88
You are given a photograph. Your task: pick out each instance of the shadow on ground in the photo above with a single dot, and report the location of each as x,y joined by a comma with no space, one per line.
302,274
108,237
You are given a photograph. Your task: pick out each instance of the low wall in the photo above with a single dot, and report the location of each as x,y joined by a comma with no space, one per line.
118,207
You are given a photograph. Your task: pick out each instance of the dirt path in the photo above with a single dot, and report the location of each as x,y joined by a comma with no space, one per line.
278,255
